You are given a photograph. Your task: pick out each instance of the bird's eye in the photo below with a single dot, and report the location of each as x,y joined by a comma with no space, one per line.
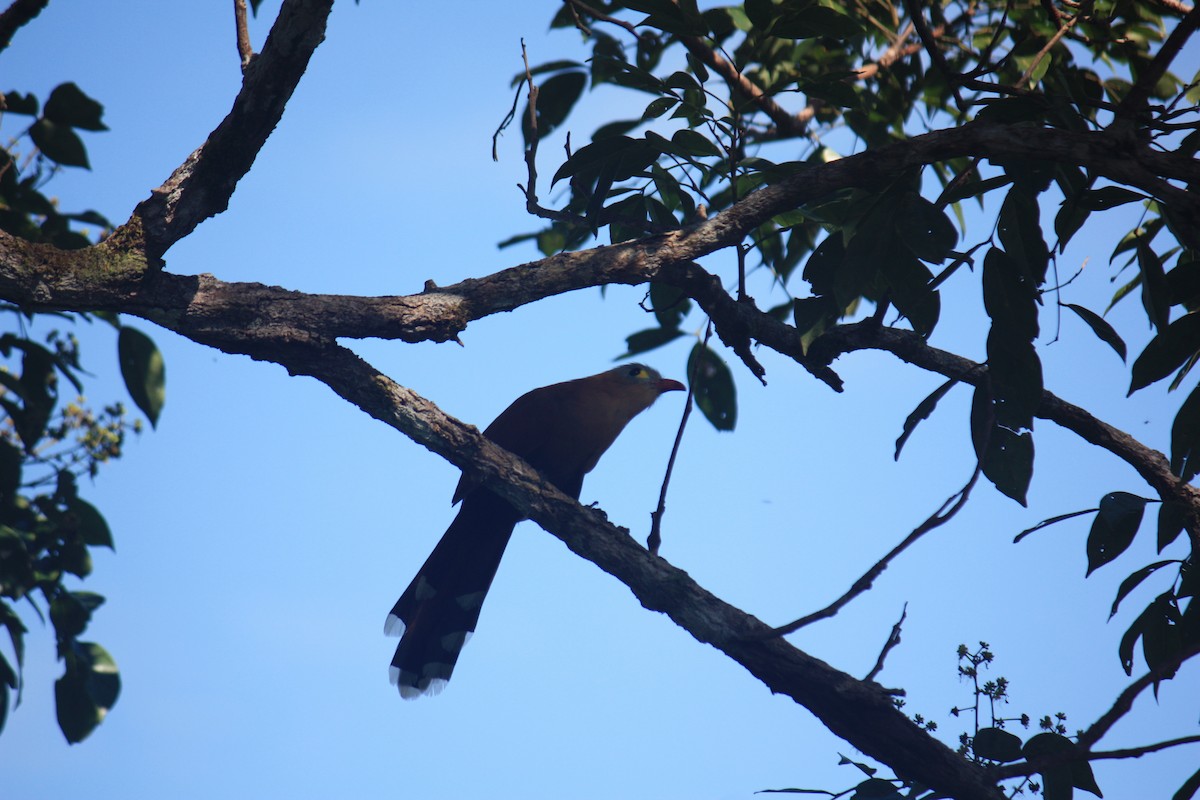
637,371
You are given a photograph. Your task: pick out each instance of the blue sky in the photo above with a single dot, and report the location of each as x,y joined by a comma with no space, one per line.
265,529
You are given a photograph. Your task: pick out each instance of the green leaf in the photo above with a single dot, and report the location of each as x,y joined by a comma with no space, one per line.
908,282
670,304
86,691
876,789
59,143
1058,780
143,370
555,99
695,143
1117,521
1171,520
921,412
1020,232
658,107
1185,438
1009,296
997,745
1108,197
1005,456
814,21
712,387
1052,521
1155,297
648,339
925,229
1166,352
69,106
1105,332
92,525
1134,580
1016,379
17,103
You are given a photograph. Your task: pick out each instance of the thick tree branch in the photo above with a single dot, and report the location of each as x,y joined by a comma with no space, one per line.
201,187
16,15
1149,463
859,712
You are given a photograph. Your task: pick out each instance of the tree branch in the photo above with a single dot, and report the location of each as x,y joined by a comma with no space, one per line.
859,712
17,15
201,187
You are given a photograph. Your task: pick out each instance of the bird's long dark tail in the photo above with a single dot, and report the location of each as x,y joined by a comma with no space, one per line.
438,611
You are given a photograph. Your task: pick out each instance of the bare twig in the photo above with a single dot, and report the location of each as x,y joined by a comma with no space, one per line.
929,39
245,51
944,513
1124,701
16,15
654,541
892,640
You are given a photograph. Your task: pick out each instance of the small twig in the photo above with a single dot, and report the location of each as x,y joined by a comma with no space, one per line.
892,640
945,512
245,51
935,54
1041,764
595,13
1045,51
654,540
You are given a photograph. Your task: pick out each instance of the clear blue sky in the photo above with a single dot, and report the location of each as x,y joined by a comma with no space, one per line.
266,528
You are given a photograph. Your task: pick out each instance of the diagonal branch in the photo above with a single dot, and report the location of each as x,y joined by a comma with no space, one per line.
17,15
202,185
941,516
862,713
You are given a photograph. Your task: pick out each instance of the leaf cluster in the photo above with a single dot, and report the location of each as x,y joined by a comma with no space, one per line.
53,140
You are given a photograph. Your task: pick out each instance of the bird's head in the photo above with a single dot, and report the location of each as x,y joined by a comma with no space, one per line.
640,375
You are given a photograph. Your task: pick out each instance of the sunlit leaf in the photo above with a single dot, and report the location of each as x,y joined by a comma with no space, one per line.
143,370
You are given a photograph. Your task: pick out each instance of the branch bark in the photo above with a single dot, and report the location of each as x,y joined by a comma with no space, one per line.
201,187
17,15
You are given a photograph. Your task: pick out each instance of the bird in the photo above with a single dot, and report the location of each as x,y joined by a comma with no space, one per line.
561,430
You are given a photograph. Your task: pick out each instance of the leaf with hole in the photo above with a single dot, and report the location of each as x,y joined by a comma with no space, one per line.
925,229
1117,521
1134,580
712,387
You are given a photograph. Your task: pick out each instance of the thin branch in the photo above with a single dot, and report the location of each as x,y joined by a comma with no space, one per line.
892,640
1134,102
944,514
654,541
1124,701
17,15
245,51
862,713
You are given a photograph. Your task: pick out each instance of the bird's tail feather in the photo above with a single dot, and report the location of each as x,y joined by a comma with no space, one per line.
439,610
